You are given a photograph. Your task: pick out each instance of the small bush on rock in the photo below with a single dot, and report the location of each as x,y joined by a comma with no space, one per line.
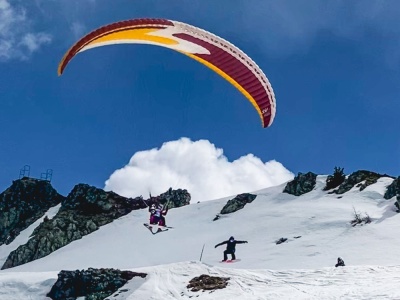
336,179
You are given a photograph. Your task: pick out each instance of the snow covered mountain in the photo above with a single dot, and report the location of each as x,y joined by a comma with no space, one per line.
316,225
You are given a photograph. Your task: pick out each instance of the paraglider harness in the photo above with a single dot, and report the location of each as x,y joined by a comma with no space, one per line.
157,214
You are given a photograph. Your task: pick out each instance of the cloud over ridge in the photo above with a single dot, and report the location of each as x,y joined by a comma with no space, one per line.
197,166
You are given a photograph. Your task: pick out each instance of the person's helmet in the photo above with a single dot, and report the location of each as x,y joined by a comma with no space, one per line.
231,238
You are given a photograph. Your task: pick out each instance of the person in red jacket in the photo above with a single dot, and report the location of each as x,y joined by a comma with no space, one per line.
230,247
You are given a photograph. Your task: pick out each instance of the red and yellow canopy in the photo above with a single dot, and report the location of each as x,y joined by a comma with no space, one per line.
212,51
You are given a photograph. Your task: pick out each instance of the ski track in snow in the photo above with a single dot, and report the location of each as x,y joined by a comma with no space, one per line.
300,268
366,282
169,282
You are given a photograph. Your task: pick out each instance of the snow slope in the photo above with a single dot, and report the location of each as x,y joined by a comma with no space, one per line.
300,268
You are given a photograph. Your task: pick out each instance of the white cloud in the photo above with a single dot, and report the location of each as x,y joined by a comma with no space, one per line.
33,41
197,166
17,40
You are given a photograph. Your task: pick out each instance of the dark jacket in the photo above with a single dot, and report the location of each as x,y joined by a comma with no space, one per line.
340,263
230,244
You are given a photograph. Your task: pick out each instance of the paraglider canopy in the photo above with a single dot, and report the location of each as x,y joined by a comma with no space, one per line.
210,50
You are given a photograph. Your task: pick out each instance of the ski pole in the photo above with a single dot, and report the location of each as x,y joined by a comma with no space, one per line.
166,204
144,202
201,255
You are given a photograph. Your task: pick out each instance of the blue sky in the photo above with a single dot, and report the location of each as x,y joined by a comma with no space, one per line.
334,68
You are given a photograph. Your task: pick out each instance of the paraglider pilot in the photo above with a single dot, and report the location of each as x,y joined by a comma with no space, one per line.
230,247
157,213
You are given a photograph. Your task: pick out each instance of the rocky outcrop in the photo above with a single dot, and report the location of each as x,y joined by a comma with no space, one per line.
23,203
280,241
93,284
174,198
356,178
84,210
301,184
237,203
207,283
91,201
394,190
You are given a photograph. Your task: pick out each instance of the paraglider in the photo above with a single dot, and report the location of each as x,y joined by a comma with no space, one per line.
208,49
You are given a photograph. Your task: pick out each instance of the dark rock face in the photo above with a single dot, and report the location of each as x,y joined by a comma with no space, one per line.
280,241
174,198
237,203
216,217
23,203
94,284
301,184
393,189
84,210
92,201
357,177
206,282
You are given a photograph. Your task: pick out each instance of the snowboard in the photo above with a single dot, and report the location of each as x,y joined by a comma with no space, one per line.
154,229
231,261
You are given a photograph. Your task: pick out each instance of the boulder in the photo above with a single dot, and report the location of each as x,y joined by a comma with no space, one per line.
206,283
301,184
93,284
280,241
237,203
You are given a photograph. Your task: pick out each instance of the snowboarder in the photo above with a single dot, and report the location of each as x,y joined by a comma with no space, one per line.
340,263
230,247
